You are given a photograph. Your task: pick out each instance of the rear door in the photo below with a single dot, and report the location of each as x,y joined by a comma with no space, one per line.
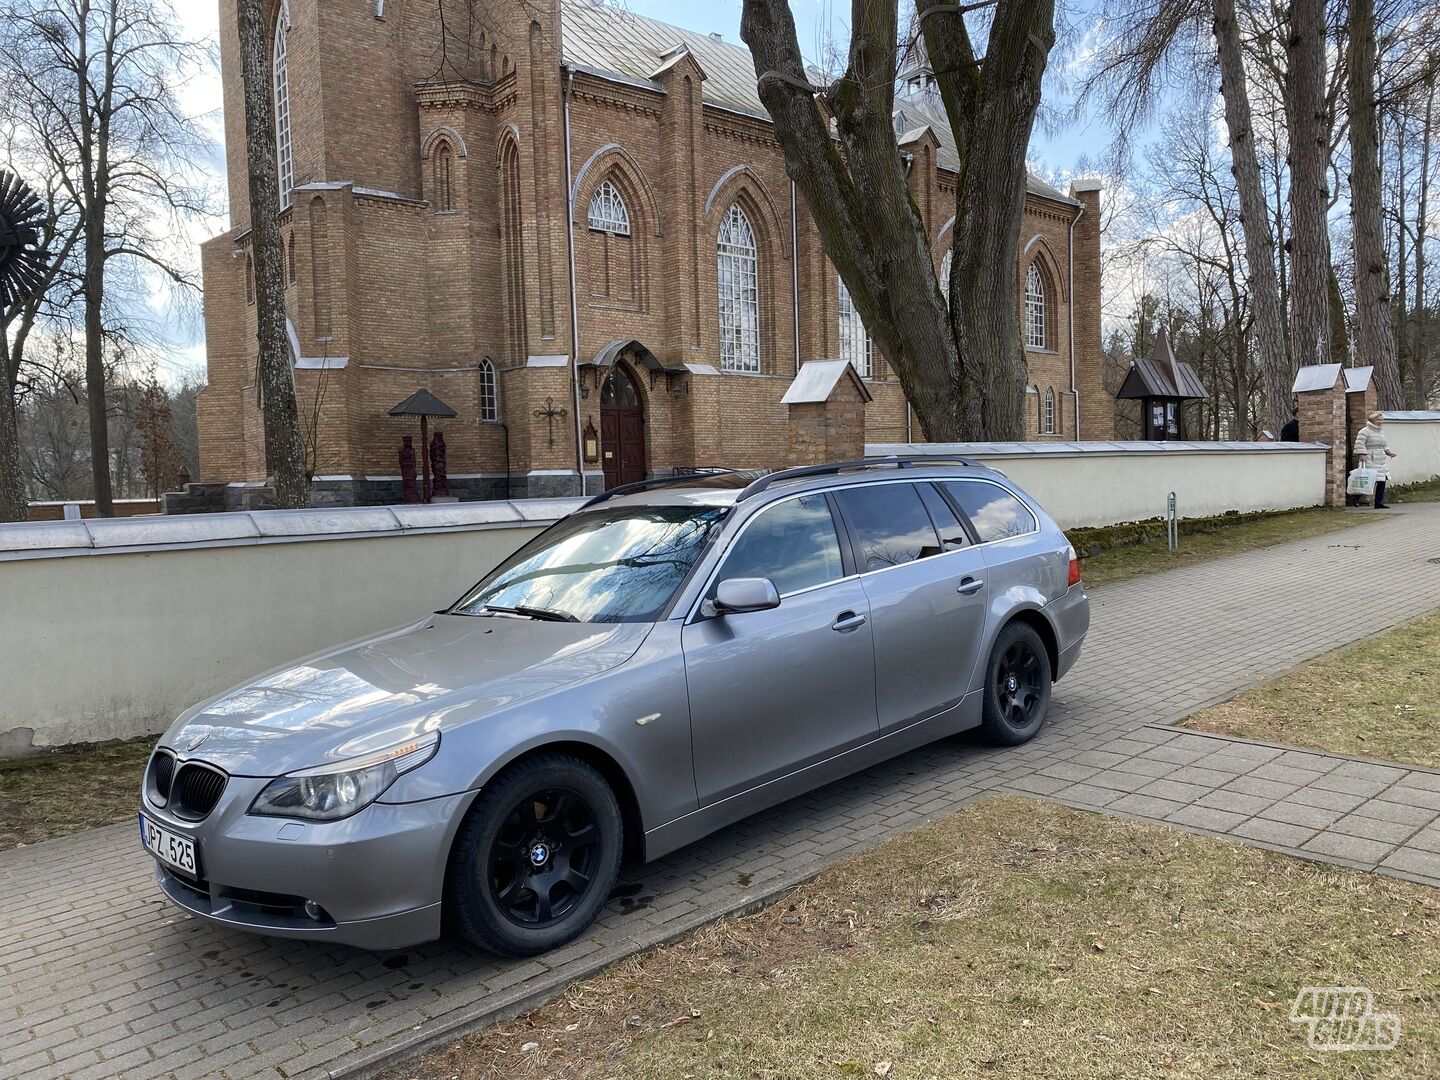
1017,553
925,580
774,691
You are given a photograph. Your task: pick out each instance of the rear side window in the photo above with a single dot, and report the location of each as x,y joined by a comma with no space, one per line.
995,513
890,524
792,543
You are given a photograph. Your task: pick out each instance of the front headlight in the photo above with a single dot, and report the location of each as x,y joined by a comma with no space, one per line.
331,792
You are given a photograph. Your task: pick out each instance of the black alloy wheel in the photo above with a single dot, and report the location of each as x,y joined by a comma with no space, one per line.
1017,686
544,857
536,856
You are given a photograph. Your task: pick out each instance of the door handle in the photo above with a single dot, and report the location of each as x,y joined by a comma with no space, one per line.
969,585
847,621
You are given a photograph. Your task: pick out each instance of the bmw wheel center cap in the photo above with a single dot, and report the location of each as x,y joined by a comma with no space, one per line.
538,854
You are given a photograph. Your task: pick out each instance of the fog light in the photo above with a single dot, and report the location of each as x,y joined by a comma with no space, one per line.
315,911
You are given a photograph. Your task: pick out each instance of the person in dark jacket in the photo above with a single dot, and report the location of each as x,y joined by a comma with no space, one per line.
1291,431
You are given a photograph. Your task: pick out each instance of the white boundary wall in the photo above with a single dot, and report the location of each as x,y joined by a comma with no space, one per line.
1107,483
111,628
1415,438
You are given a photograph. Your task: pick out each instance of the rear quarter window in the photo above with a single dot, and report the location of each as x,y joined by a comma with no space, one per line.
994,512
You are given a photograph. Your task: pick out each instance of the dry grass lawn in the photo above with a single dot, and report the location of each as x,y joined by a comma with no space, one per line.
55,794
1013,939
1380,699
1218,539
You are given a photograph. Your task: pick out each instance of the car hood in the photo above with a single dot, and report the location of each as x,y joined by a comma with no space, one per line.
384,690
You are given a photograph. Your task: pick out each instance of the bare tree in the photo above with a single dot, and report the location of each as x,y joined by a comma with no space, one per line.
284,447
58,233
92,85
1268,326
960,364
1372,269
1149,47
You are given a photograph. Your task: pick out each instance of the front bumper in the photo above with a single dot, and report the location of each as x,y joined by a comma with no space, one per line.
378,876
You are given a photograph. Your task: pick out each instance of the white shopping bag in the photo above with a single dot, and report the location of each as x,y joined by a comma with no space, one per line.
1361,482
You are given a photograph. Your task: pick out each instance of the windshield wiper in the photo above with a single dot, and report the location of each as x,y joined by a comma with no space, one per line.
543,614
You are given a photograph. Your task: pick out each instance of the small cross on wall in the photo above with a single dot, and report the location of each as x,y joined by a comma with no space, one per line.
548,414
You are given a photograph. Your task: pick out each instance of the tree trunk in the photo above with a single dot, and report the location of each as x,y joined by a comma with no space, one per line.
991,116
95,185
1339,326
95,360
284,447
12,476
1309,126
869,225
963,373
1372,266
1419,396
1268,324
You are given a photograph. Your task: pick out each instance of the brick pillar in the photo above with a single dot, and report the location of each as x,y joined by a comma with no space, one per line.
831,428
1322,420
1359,404
1097,405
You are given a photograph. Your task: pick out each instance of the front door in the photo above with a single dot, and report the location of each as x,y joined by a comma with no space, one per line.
774,691
622,429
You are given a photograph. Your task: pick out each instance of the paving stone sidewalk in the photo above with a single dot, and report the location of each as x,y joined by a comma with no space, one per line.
103,979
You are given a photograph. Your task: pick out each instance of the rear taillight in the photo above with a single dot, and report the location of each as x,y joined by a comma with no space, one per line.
1074,576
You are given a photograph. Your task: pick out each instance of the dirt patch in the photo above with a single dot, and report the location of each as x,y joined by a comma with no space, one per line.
61,792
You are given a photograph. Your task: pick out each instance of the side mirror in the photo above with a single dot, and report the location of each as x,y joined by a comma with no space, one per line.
742,594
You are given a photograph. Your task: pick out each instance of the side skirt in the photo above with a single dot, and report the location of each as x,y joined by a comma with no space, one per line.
691,827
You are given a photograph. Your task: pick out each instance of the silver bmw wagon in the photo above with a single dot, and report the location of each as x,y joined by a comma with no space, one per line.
673,656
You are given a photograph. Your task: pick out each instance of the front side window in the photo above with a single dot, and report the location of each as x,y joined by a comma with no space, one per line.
607,211
854,341
737,266
606,566
284,159
792,543
890,524
995,513
1034,309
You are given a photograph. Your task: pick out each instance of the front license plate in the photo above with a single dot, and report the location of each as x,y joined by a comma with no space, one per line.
169,847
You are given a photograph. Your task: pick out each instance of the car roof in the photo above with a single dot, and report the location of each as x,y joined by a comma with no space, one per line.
727,488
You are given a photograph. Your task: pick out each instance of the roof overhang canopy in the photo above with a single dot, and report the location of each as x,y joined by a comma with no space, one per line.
818,379
607,356
1316,377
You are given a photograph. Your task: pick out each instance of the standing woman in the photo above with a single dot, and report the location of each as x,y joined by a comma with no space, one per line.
1372,453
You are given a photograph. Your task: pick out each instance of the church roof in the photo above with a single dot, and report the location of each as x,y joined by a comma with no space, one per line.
612,41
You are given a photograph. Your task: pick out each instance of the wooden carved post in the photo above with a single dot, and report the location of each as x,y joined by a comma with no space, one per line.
424,458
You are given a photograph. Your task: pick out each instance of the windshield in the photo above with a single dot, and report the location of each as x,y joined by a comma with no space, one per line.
619,565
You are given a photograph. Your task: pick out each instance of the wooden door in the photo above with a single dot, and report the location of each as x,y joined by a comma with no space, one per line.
622,429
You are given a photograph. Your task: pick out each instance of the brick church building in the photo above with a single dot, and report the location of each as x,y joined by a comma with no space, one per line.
573,226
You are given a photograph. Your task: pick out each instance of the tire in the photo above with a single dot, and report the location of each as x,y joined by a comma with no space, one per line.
1017,686
535,858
